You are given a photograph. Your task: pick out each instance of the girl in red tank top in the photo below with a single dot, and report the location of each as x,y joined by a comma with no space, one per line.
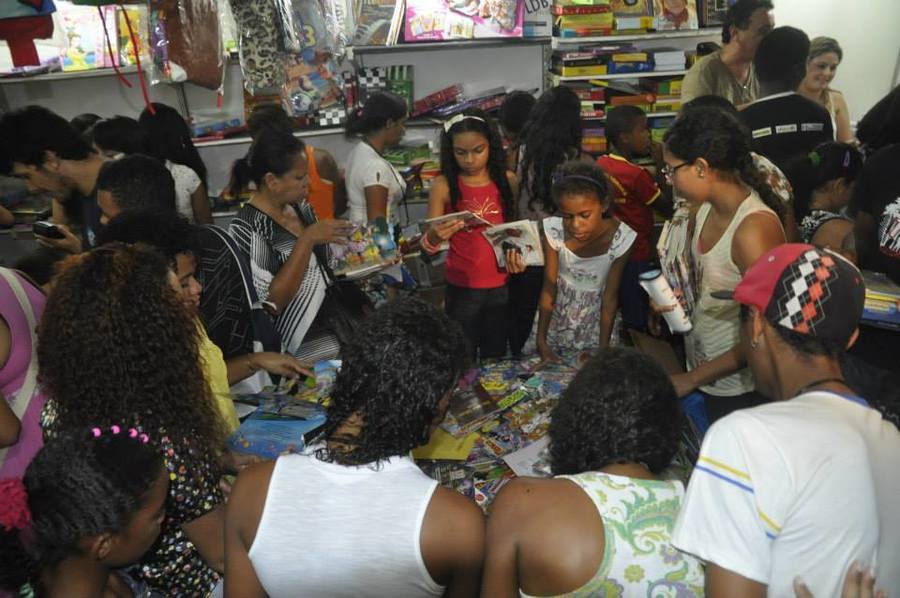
475,179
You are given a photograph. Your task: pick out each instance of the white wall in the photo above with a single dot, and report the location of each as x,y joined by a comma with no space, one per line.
867,31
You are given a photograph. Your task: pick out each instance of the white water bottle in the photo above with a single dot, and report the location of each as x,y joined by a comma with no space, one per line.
661,293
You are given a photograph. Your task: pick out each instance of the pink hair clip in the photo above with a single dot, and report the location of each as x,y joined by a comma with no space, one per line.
132,433
115,429
14,511
96,432
145,439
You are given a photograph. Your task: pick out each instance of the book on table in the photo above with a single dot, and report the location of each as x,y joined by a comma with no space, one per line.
280,424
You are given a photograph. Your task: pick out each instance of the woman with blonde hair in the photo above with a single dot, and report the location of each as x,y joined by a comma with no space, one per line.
825,54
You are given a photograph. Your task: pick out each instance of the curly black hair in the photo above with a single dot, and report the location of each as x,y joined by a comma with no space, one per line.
78,486
116,346
394,372
620,408
551,136
721,139
121,134
138,182
482,124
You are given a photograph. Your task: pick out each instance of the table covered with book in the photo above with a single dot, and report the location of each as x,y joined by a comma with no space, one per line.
495,429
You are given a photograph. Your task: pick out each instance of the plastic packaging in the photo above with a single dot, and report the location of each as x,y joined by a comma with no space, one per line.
186,43
258,45
304,25
661,293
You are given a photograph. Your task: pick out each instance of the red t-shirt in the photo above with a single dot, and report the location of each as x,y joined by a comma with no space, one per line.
633,190
471,262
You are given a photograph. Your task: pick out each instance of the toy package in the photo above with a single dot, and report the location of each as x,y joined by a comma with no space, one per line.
280,424
137,16
85,43
311,82
370,250
435,20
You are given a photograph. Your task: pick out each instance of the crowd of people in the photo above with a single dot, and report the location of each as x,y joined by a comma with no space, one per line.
123,338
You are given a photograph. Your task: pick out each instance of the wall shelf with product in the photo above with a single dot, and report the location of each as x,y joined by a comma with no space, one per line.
612,54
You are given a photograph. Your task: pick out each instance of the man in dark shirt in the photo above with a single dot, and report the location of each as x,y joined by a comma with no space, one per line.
42,148
783,123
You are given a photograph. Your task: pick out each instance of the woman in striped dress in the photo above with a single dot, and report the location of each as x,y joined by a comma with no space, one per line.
287,245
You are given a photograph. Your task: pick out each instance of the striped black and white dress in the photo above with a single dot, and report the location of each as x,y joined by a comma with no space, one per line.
269,245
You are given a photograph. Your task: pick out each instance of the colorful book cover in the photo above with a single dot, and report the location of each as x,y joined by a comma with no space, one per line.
521,236
278,425
138,17
437,20
85,44
370,250
675,14
538,20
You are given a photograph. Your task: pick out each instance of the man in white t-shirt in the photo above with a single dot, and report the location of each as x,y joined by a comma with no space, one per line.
805,485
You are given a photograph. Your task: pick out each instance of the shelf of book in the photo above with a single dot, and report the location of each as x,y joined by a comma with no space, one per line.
556,42
557,79
448,45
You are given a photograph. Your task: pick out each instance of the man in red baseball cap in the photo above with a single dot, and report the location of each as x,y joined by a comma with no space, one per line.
807,484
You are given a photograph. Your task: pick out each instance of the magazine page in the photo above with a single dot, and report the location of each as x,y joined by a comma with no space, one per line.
437,20
371,249
522,236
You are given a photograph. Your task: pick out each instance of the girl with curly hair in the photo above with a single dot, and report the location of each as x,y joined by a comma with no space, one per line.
708,161
353,515
602,525
89,504
117,347
473,178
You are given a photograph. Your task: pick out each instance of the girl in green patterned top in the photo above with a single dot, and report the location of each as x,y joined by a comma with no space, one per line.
602,526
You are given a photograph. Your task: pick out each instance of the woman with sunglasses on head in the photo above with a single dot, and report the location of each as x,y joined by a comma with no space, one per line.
585,252
708,162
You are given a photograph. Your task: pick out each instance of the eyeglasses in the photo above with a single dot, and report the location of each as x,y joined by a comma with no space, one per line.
669,171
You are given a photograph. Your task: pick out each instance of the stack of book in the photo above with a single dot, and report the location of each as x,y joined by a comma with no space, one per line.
582,18
882,303
668,59
579,63
644,101
667,92
593,140
632,16
593,101
629,60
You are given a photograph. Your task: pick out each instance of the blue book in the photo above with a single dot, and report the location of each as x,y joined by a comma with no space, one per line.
279,425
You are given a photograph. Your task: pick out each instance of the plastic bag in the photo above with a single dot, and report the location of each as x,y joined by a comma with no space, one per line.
303,25
312,83
186,43
258,45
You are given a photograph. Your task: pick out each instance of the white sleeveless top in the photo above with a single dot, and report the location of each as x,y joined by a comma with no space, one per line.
716,322
339,531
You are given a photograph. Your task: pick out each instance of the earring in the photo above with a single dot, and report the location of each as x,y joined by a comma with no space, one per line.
754,344
701,173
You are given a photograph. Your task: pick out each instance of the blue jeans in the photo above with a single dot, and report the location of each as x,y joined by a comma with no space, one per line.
483,317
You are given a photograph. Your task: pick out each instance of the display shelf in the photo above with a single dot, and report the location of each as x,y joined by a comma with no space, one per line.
649,115
245,139
556,42
448,45
63,75
559,78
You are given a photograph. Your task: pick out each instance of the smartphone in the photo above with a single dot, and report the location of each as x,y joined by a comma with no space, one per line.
47,229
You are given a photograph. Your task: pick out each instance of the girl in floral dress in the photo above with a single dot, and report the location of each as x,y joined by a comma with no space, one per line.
585,251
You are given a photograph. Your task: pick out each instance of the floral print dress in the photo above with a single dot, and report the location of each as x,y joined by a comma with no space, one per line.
173,566
638,559
580,282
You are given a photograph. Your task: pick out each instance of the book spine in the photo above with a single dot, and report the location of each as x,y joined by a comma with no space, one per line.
559,11
582,71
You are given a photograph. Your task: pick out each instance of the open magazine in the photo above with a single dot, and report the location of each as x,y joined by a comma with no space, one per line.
522,236
471,220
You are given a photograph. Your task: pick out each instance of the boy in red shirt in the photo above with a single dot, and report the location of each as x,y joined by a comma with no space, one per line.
636,194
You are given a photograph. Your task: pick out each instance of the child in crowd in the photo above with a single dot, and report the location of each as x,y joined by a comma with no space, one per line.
585,251
636,195
474,178
118,136
822,181
602,526
169,141
88,505
513,115
134,182
353,515
552,135
117,347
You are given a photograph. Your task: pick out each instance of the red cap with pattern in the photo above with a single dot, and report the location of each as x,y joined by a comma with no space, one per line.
804,288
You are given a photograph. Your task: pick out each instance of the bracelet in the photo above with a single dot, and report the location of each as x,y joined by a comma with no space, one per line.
427,246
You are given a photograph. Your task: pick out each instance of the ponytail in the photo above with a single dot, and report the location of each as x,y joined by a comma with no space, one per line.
240,177
751,175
